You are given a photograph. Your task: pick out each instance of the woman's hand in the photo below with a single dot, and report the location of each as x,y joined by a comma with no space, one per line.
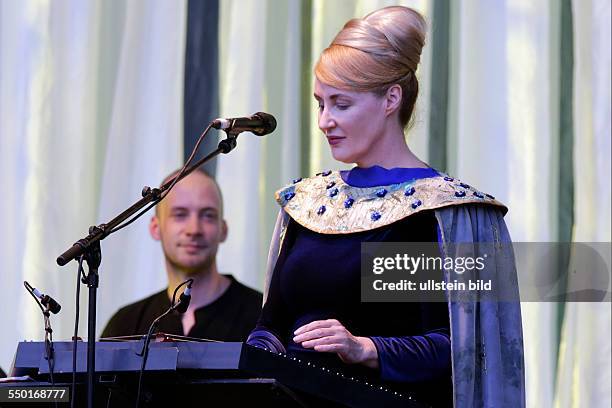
331,336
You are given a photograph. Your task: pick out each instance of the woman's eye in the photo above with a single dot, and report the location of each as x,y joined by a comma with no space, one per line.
342,107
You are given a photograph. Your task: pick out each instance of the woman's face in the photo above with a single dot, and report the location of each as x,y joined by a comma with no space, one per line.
353,122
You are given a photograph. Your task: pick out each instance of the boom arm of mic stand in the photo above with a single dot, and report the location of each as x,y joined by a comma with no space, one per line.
98,233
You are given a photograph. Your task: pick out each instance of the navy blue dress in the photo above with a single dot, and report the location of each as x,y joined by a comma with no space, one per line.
317,277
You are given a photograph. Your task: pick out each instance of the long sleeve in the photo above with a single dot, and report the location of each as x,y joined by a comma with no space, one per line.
414,358
422,356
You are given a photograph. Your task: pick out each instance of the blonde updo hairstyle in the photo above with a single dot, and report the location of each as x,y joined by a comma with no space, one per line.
373,53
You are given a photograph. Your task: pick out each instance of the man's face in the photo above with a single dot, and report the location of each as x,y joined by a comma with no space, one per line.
189,224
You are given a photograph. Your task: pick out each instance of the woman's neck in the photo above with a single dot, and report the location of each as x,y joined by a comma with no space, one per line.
392,151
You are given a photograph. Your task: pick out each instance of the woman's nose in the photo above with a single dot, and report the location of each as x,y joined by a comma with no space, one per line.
326,121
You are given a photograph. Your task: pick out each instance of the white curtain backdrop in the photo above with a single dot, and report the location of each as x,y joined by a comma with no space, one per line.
90,96
259,71
503,138
585,354
144,144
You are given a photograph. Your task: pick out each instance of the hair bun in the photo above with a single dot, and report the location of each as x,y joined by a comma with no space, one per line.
372,53
393,32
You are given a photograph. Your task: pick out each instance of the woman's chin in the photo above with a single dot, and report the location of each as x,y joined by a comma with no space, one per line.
341,156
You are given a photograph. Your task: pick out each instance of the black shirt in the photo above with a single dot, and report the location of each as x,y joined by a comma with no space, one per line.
231,317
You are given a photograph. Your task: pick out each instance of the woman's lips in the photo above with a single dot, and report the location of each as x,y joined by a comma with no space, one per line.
334,140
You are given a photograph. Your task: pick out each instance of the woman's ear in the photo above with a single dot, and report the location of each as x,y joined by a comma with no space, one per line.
393,99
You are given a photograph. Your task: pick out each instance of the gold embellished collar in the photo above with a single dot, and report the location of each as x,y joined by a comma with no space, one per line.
327,205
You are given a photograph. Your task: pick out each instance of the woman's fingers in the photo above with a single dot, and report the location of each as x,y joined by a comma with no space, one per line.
332,339
315,334
316,325
330,336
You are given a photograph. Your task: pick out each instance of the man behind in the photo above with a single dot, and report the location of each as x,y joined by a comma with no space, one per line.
190,226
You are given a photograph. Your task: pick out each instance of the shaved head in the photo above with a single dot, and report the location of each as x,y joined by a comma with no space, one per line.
198,170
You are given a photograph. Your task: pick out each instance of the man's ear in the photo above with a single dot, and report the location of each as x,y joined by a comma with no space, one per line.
154,228
393,99
223,231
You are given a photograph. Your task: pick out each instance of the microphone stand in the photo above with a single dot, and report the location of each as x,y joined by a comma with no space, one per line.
49,350
90,247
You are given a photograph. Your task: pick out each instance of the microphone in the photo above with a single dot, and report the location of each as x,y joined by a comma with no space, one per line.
260,123
45,300
184,300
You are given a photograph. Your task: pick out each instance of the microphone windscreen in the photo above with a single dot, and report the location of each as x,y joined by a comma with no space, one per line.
54,307
269,122
183,302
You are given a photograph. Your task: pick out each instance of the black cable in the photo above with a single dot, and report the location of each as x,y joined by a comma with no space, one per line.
108,400
49,345
134,218
80,274
189,160
145,352
145,348
175,180
49,350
